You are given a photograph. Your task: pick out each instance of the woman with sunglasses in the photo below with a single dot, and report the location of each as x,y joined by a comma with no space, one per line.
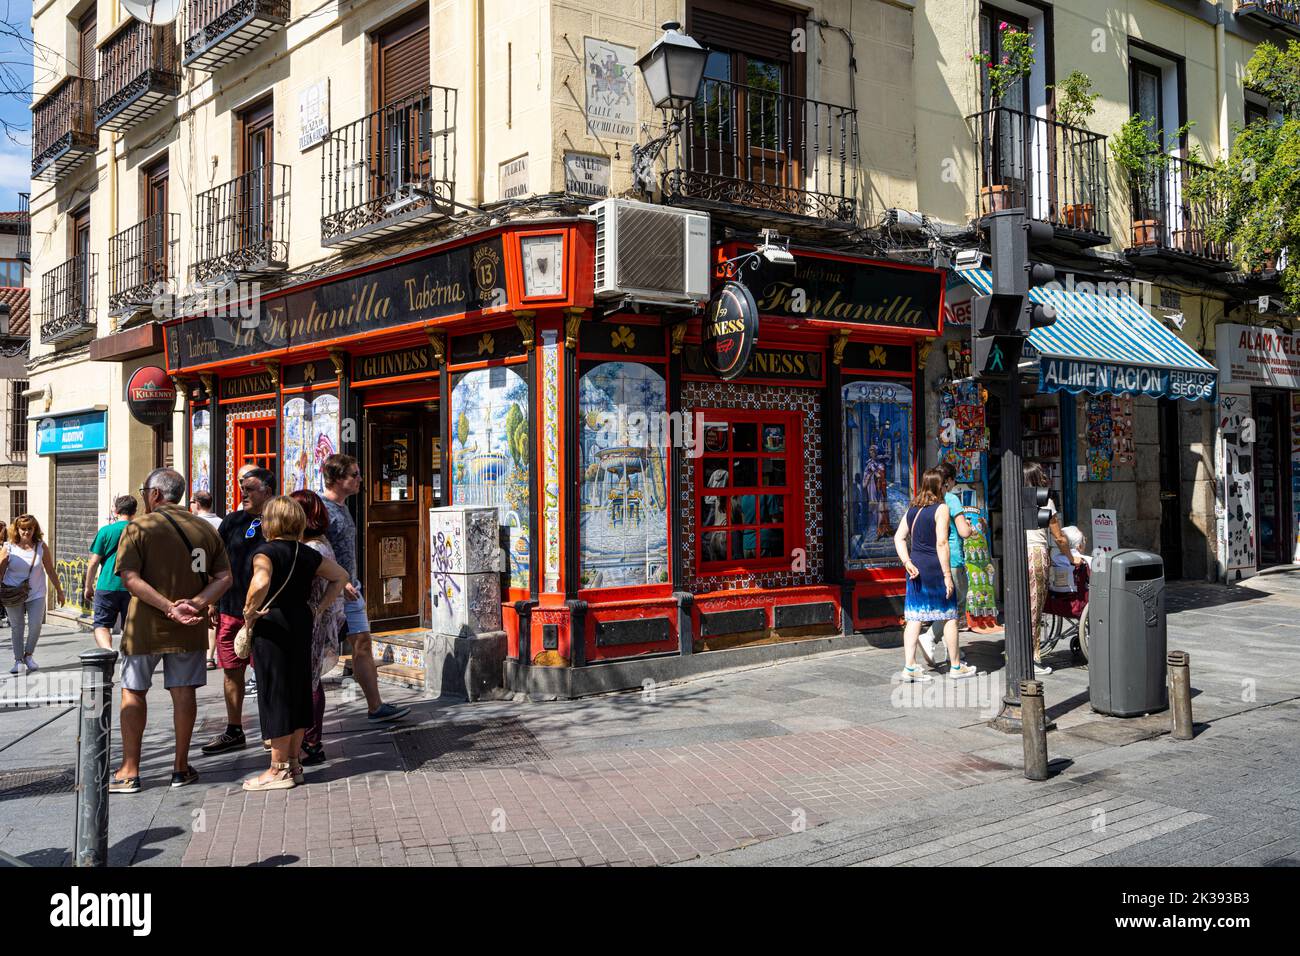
25,558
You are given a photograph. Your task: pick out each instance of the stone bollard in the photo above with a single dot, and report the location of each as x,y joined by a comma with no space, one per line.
1180,694
1033,729
91,839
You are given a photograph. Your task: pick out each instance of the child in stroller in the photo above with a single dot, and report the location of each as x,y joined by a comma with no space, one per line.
1065,611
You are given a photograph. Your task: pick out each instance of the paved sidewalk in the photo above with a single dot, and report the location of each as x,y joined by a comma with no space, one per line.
823,761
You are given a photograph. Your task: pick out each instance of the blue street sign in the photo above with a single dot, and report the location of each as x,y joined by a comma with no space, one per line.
63,434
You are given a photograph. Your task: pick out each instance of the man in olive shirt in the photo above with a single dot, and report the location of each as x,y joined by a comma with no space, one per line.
175,565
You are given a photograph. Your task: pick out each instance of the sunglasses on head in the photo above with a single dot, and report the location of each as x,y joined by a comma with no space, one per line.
252,528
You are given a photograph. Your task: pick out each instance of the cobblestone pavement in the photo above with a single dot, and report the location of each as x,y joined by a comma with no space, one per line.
819,761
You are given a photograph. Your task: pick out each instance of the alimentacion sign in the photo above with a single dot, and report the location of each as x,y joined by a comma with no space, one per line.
1076,375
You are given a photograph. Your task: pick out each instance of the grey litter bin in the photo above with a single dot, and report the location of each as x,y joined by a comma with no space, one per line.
1127,639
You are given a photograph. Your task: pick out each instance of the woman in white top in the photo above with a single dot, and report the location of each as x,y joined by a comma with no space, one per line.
25,558
1036,546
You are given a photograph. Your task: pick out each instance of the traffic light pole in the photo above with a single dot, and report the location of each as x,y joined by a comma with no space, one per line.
1015,560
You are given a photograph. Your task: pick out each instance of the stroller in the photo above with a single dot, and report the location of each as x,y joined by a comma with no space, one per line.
1065,612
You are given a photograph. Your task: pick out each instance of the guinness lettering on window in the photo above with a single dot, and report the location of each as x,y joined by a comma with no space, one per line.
412,361
730,331
246,385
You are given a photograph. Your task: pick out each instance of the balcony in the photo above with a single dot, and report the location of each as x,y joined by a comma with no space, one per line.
141,260
1172,213
68,297
24,227
753,153
138,74
221,31
390,170
1056,172
1281,15
241,228
63,128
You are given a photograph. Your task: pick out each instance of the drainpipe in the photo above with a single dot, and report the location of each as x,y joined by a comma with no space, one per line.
1221,79
475,110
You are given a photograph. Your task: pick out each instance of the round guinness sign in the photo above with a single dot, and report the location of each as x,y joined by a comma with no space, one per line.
150,395
730,331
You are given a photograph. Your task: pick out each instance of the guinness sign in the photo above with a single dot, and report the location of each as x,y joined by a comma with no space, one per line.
412,361
150,395
730,331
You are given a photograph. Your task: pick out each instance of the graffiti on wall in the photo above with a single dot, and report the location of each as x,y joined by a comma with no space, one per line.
1236,475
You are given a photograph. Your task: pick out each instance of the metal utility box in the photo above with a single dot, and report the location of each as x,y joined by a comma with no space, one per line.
1127,638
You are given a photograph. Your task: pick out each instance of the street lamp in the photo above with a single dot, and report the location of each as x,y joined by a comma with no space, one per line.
673,70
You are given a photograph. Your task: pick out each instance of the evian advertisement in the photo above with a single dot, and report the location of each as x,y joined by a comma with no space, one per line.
1248,355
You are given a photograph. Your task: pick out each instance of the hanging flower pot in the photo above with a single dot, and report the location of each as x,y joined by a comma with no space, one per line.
1144,232
1078,215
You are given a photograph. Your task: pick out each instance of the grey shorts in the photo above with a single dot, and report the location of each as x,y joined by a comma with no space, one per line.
179,670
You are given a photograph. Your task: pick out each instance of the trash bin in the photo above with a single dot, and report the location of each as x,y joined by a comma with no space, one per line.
1127,639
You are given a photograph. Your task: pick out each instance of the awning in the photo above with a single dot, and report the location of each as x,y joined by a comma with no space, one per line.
1109,343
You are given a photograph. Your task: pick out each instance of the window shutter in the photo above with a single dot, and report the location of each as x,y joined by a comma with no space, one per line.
748,28
86,46
404,60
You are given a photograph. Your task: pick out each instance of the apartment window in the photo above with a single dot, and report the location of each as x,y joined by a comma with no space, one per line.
17,420
401,58
749,490
1156,88
17,504
991,18
86,37
253,194
13,272
154,183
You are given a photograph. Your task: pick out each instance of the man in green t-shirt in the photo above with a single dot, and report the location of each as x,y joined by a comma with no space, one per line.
104,590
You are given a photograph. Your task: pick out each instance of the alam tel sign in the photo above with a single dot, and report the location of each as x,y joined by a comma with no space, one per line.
465,278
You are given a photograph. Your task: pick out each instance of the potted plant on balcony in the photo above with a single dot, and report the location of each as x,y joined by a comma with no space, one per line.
1074,104
1011,67
1138,153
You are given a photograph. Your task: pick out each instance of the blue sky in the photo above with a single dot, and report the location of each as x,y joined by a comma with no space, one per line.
16,149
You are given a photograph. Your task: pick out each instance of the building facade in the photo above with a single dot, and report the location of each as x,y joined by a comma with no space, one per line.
378,228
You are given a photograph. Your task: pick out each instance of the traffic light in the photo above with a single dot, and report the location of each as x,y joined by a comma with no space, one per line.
1033,503
1007,312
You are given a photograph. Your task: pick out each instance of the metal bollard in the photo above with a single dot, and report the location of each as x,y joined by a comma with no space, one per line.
1180,694
91,840
1033,728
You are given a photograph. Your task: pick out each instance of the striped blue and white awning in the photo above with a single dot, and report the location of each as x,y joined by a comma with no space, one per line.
1108,343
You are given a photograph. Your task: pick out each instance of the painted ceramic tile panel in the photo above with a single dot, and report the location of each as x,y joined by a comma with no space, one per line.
623,522
878,469
201,452
489,453
311,434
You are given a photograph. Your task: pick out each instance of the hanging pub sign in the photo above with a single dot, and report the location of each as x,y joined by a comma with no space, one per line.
450,282
150,395
730,331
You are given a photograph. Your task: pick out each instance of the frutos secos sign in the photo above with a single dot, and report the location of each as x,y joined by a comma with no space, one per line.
730,331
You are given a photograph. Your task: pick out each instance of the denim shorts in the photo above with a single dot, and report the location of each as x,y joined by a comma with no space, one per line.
110,608
188,669
355,611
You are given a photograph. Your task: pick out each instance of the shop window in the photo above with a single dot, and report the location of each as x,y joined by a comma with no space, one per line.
490,452
749,490
877,418
623,523
201,451
311,434
17,504
255,444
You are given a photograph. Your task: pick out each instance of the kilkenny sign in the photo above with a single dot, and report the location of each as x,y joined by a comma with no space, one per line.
730,331
150,395
856,292
463,279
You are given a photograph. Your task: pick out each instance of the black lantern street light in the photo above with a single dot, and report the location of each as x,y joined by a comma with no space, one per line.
672,69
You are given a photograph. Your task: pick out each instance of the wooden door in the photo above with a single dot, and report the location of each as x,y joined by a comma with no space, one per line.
1272,477
253,195
401,140
86,37
396,483
154,259
257,442
78,288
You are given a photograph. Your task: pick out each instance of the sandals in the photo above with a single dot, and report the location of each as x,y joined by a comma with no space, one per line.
287,782
295,769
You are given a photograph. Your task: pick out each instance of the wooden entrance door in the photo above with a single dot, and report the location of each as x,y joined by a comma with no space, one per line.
254,193
154,260
1272,477
400,445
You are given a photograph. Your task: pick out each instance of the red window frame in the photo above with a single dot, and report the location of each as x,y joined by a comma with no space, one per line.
792,523
265,454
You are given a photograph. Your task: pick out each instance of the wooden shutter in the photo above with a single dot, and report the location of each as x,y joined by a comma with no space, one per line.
86,45
403,59
756,29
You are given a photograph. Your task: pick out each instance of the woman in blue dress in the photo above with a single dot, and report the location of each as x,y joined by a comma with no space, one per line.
931,595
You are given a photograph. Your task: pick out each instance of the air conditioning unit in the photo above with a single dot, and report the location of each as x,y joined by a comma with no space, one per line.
651,253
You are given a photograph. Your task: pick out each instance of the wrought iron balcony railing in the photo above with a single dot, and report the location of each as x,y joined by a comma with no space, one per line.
63,128
241,228
138,74
219,31
1173,209
1277,14
390,169
141,260
68,298
1056,172
25,227
751,148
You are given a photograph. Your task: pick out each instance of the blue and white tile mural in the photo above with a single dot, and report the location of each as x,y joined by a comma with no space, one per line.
623,523
489,453
877,468
311,434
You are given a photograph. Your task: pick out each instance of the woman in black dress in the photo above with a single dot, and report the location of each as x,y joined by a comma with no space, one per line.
278,613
